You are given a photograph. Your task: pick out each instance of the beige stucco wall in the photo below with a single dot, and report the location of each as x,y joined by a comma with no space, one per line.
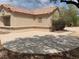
22,20
1,21
18,20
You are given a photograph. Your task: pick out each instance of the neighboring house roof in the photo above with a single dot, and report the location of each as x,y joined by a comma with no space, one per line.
45,10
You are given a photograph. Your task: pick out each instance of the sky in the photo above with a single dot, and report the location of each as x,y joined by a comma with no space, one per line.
33,3
75,0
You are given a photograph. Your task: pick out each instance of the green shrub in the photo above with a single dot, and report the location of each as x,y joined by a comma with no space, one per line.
58,25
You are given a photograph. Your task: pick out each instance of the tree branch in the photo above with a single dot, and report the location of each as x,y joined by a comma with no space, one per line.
72,2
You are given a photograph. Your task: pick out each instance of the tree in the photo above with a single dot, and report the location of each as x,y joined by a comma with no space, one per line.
53,0
70,15
69,2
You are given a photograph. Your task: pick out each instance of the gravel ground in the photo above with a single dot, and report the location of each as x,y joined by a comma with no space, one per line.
47,44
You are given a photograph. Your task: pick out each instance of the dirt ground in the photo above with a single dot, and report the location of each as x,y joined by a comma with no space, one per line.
74,31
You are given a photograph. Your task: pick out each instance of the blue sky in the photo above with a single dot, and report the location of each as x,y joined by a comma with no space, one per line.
32,3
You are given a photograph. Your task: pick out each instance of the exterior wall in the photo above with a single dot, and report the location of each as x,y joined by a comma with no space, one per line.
1,22
23,22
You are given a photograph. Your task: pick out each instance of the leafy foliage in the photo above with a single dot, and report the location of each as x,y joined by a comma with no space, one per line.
69,15
58,25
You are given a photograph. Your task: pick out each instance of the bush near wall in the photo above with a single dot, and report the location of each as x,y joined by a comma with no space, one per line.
58,25
72,22
78,20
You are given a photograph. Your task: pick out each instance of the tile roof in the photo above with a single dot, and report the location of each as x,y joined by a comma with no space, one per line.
44,10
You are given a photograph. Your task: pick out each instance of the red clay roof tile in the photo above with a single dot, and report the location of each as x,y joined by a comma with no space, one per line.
45,10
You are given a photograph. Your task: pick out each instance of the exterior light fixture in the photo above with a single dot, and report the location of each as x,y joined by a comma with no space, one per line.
76,3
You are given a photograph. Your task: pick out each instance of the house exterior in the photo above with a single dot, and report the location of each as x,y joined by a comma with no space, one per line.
15,19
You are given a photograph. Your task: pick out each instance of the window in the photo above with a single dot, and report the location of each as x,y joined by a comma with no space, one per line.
6,20
0,10
40,20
